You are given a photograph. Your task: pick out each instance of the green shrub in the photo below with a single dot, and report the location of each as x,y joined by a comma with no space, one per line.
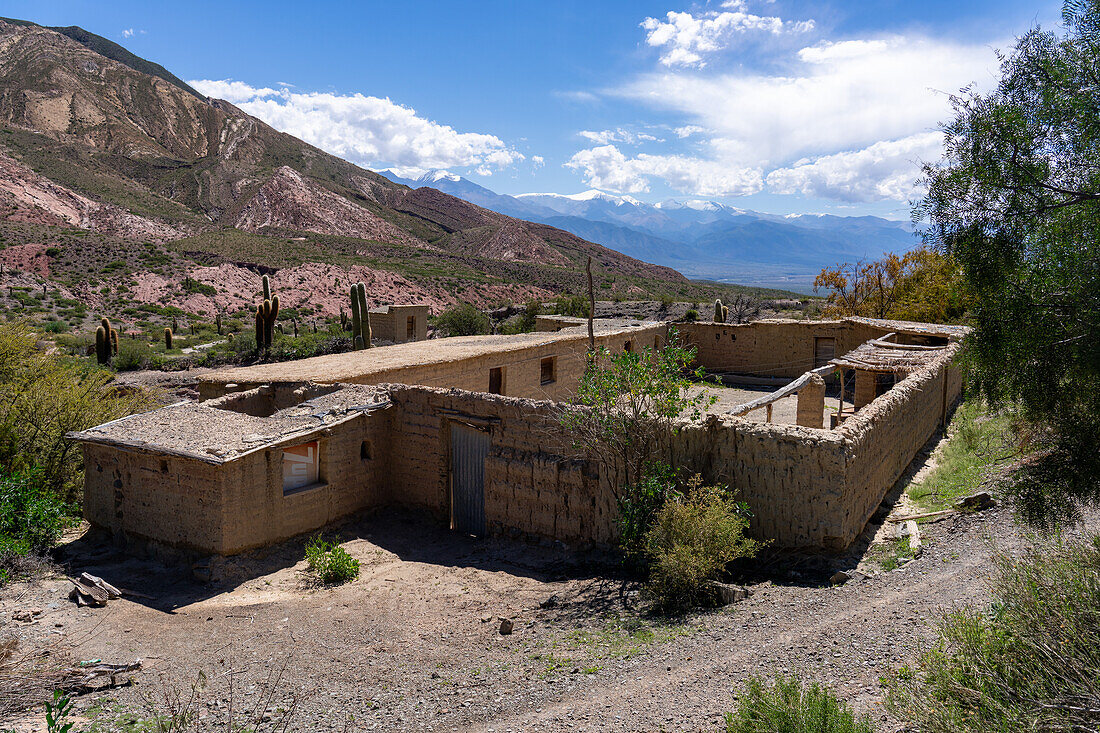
691,315
1027,662
462,320
789,707
692,539
32,519
638,506
330,562
572,305
133,354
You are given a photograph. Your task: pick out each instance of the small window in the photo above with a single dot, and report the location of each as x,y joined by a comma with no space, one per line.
496,380
364,450
628,346
301,467
546,374
410,328
824,350
656,343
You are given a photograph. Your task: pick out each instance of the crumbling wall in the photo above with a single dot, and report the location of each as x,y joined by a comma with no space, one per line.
771,348
535,482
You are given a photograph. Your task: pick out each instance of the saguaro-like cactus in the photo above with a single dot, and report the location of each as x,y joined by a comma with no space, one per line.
719,312
266,313
218,322
106,342
360,317
168,339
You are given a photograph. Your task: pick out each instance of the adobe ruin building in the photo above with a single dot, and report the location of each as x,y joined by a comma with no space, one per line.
467,429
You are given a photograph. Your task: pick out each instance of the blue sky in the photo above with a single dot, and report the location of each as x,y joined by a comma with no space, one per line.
778,106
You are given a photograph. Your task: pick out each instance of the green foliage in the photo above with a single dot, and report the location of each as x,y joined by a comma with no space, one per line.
56,713
628,404
979,440
44,396
691,315
1027,662
191,285
525,321
330,562
575,306
638,506
788,706
1016,202
462,320
32,519
167,339
692,539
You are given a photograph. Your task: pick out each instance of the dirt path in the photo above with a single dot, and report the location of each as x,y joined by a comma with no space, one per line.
413,644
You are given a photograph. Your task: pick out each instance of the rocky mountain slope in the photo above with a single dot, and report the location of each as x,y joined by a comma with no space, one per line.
701,238
95,139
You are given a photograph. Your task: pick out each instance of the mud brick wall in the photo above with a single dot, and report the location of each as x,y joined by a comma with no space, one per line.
882,438
777,348
535,483
255,512
172,500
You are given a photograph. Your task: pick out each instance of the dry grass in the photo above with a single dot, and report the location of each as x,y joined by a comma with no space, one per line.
28,678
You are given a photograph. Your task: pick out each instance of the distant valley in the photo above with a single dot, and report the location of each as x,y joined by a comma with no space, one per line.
702,239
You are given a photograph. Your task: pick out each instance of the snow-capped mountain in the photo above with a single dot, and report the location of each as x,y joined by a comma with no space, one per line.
700,238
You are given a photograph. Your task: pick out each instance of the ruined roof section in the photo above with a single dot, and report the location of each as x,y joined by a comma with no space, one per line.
356,365
880,355
206,432
913,327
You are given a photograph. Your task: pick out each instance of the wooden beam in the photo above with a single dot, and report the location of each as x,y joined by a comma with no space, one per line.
780,393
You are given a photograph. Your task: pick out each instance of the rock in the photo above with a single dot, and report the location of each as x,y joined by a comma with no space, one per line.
975,502
28,614
840,578
550,602
728,594
506,626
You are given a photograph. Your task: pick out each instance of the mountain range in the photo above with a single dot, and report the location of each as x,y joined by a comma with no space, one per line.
706,239
128,189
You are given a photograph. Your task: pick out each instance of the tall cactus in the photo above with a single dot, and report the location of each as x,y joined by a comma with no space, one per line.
168,339
719,312
106,342
266,313
360,317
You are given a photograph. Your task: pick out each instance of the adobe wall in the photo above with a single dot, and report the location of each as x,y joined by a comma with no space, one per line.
535,483
172,500
255,511
777,348
883,437
391,323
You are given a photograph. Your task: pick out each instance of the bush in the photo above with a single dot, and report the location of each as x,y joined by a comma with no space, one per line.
789,707
330,562
638,506
575,306
462,320
691,315
691,541
32,519
1027,662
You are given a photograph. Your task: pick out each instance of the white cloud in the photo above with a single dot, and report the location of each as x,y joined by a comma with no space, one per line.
618,135
684,38
578,96
606,167
538,161
884,170
129,32
860,104
370,131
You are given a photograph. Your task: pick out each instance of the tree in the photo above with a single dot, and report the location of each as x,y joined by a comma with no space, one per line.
462,320
1016,202
921,285
743,308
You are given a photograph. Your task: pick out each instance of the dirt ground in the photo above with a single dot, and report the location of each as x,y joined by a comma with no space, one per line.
414,643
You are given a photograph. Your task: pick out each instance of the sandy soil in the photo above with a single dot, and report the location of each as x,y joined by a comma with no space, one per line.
414,643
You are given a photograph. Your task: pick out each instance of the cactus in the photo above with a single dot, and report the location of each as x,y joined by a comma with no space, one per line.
102,346
266,313
360,317
267,287
218,322
719,312
168,339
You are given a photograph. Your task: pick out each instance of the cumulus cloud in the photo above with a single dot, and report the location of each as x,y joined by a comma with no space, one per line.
606,167
684,37
884,170
370,131
618,135
865,105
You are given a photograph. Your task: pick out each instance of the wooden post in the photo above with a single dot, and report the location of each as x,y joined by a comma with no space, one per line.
591,306
769,412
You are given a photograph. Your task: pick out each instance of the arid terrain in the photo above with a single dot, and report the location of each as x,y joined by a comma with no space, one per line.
414,643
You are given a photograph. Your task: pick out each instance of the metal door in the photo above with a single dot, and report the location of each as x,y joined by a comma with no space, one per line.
469,447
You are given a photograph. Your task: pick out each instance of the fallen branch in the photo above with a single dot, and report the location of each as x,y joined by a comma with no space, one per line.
926,515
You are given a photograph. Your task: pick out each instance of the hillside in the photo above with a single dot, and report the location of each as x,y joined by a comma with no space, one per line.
133,183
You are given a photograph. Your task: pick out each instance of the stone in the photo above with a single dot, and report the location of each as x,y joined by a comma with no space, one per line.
728,594
975,502
550,602
840,578
28,614
506,626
